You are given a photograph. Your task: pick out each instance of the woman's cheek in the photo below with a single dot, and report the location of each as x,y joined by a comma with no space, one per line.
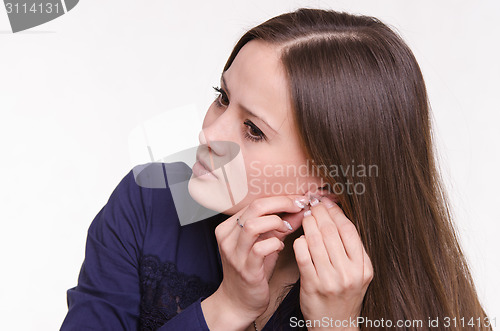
256,179
267,180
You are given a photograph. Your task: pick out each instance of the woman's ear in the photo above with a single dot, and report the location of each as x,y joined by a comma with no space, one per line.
332,197
325,192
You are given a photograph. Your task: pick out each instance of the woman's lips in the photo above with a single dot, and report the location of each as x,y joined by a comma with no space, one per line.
200,170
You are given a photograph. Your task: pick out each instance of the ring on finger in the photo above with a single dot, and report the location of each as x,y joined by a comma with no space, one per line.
238,222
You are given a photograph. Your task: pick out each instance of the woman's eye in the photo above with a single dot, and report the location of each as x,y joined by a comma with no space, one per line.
221,97
253,133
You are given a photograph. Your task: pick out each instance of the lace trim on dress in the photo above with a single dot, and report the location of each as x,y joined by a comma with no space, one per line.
165,291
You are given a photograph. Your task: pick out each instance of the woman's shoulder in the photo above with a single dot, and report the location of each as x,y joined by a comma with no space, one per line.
180,261
142,213
142,196
177,229
145,220
160,175
169,182
141,265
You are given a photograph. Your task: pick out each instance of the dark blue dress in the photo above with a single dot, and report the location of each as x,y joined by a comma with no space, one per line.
143,270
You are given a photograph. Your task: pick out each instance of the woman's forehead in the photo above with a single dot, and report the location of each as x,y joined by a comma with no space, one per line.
257,81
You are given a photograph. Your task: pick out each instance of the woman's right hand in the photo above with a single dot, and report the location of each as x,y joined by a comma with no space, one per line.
249,255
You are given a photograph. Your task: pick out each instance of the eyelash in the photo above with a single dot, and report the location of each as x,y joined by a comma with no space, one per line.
219,102
220,93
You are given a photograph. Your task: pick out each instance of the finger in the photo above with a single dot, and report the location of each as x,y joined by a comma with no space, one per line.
225,228
228,231
317,249
348,233
330,235
294,219
265,206
308,275
294,223
261,249
227,240
367,269
253,228
274,205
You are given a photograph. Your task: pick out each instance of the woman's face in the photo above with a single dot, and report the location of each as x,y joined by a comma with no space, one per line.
249,140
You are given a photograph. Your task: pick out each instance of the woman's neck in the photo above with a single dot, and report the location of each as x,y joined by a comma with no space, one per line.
286,265
285,273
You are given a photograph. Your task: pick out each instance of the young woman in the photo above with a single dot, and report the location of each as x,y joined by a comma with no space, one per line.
362,239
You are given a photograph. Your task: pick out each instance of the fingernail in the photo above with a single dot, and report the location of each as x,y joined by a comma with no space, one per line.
314,202
307,213
327,202
288,225
300,202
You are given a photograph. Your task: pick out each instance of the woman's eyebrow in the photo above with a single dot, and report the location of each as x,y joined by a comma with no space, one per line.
245,109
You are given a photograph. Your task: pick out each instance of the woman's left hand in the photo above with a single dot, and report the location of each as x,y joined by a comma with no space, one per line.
335,270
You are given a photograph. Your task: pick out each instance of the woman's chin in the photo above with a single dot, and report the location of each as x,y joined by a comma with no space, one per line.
212,195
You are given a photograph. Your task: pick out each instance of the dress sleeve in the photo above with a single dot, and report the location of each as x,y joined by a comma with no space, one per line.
190,319
108,293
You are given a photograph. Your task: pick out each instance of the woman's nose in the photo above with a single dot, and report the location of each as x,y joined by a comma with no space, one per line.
218,136
218,147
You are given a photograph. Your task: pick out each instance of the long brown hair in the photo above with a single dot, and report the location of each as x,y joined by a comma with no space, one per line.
360,100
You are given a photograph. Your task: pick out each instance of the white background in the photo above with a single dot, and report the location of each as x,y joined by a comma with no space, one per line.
72,90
